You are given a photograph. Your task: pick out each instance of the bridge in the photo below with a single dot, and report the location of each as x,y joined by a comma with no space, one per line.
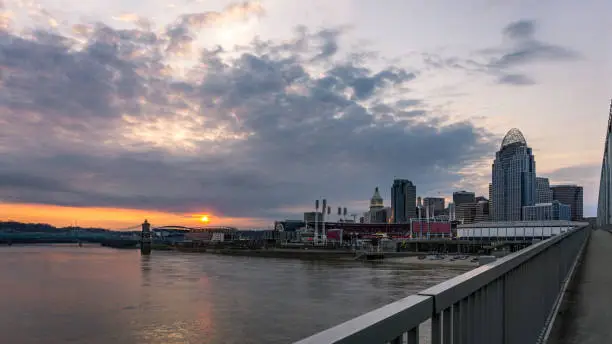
68,235
515,299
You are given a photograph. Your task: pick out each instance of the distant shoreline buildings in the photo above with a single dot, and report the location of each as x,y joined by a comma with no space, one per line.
515,193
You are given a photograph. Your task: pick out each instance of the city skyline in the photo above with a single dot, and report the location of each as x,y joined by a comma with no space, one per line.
248,111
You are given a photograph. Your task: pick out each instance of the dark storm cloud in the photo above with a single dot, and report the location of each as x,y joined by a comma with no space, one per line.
329,44
287,135
21,180
526,48
533,51
520,29
521,49
516,79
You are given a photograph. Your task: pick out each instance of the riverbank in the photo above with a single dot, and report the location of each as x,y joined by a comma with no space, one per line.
311,254
400,258
465,263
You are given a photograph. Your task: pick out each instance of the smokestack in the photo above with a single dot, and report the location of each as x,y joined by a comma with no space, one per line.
317,204
328,210
344,211
339,211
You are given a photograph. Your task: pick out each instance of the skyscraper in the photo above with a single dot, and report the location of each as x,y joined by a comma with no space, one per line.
460,197
571,195
514,178
403,200
434,203
544,193
482,210
491,207
604,203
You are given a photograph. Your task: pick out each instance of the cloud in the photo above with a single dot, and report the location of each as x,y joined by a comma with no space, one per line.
521,29
5,17
532,51
522,49
587,174
105,120
526,49
187,26
515,79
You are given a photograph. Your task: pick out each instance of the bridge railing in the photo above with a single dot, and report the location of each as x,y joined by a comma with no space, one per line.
512,300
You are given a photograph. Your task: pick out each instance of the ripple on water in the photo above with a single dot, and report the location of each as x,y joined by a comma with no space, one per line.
106,295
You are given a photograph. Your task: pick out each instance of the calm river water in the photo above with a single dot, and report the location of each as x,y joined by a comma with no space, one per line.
69,294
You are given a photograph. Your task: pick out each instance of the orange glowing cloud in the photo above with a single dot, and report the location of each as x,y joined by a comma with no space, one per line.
115,218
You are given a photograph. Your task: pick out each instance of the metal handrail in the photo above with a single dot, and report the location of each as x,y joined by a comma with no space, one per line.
507,301
465,284
380,325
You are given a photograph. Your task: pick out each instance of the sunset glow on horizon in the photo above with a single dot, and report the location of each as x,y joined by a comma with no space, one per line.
113,218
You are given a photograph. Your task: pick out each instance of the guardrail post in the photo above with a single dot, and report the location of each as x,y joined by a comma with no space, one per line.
436,329
456,323
446,326
413,336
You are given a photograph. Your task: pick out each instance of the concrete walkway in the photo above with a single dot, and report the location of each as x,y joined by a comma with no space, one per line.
586,313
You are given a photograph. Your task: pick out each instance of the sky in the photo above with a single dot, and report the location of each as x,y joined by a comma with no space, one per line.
112,112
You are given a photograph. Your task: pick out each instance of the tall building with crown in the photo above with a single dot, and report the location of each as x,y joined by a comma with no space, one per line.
514,178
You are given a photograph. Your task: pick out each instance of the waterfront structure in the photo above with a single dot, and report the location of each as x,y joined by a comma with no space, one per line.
544,194
430,229
514,178
604,202
435,204
508,230
145,238
571,195
460,197
554,210
403,201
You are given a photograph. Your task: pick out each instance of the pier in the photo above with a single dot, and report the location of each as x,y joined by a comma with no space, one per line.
513,300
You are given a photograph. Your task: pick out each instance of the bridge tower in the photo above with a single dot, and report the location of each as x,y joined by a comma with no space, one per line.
145,238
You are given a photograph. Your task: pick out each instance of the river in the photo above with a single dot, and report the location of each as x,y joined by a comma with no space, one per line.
69,294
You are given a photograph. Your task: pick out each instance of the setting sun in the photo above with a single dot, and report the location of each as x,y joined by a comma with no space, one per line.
204,219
